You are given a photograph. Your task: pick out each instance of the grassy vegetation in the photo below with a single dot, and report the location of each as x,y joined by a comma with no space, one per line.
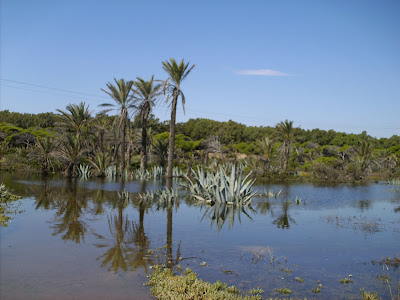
166,285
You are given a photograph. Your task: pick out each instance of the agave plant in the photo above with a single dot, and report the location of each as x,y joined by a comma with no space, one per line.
176,172
162,197
233,189
141,174
157,172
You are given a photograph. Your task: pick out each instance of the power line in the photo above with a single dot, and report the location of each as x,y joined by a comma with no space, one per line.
52,88
162,109
44,92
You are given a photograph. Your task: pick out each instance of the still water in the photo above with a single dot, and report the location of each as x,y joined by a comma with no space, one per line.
77,240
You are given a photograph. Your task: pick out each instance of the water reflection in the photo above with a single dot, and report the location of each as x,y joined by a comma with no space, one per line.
46,198
364,205
130,242
220,212
284,219
68,220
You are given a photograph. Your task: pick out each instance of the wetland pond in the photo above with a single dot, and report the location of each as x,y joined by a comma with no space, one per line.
77,239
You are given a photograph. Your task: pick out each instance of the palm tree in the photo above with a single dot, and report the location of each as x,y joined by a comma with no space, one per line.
268,150
76,119
364,159
160,150
146,94
285,131
121,94
70,150
177,73
44,150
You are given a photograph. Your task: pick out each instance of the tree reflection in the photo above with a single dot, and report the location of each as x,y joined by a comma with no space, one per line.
364,205
284,219
46,198
129,250
68,217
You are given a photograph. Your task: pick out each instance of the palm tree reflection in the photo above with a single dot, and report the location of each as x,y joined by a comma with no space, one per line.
130,243
68,220
284,220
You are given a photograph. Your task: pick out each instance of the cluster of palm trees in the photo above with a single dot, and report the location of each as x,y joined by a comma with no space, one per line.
141,96
130,98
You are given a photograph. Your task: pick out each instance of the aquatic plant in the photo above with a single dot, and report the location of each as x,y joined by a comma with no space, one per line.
395,183
233,189
141,174
176,172
369,296
163,197
155,173
166,285
297,200
317,290
346,280
271,194
84,171
111,172
283,291
299,279
166,197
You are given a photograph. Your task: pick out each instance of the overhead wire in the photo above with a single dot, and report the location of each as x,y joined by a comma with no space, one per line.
162,109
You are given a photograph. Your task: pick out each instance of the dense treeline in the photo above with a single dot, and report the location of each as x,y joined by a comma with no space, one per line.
325,155
229,132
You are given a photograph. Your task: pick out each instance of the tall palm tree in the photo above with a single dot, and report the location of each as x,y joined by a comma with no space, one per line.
177,73
121,94
285,131
146,93
76,119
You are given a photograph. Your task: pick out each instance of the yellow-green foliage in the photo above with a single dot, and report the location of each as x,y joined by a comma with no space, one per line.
181,141
369,296
166,285
6,199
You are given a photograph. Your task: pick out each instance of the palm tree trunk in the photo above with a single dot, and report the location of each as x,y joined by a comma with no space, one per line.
143,154
123,137
170,263
172,138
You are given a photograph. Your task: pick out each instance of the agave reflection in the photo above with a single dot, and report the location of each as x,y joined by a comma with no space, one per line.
220,212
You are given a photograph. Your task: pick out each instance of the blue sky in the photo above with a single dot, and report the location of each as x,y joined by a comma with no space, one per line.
323,64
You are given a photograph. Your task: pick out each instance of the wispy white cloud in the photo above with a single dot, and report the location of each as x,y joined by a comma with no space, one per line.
261,72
